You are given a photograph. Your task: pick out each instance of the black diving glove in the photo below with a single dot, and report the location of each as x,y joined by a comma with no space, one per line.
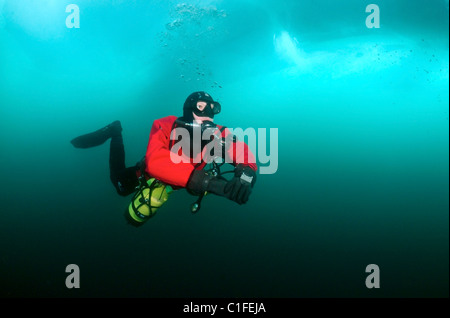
200,181
240,187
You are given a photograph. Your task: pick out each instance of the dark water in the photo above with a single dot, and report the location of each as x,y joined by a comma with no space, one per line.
362,119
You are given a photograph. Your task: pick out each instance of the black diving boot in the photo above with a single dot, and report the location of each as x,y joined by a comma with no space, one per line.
97,137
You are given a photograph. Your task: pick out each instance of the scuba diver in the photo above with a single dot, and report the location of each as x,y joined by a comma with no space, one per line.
167,167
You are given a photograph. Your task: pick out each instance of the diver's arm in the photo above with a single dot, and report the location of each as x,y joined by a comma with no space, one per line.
158,159
239,188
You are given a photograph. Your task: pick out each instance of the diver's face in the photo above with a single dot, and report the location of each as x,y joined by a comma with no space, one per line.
201,106
200,120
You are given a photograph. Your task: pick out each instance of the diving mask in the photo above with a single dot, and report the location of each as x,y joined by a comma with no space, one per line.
207,108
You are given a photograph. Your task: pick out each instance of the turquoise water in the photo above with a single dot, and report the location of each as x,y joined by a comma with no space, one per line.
362,119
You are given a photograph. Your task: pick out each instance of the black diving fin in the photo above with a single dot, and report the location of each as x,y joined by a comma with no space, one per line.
97,137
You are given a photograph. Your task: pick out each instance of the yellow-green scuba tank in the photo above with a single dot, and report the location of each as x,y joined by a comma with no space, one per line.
151,195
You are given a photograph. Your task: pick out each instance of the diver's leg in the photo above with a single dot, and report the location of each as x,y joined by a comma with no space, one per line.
126,182
124,179
116,156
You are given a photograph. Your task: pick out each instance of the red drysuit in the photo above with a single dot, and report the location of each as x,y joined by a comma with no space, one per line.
158,160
